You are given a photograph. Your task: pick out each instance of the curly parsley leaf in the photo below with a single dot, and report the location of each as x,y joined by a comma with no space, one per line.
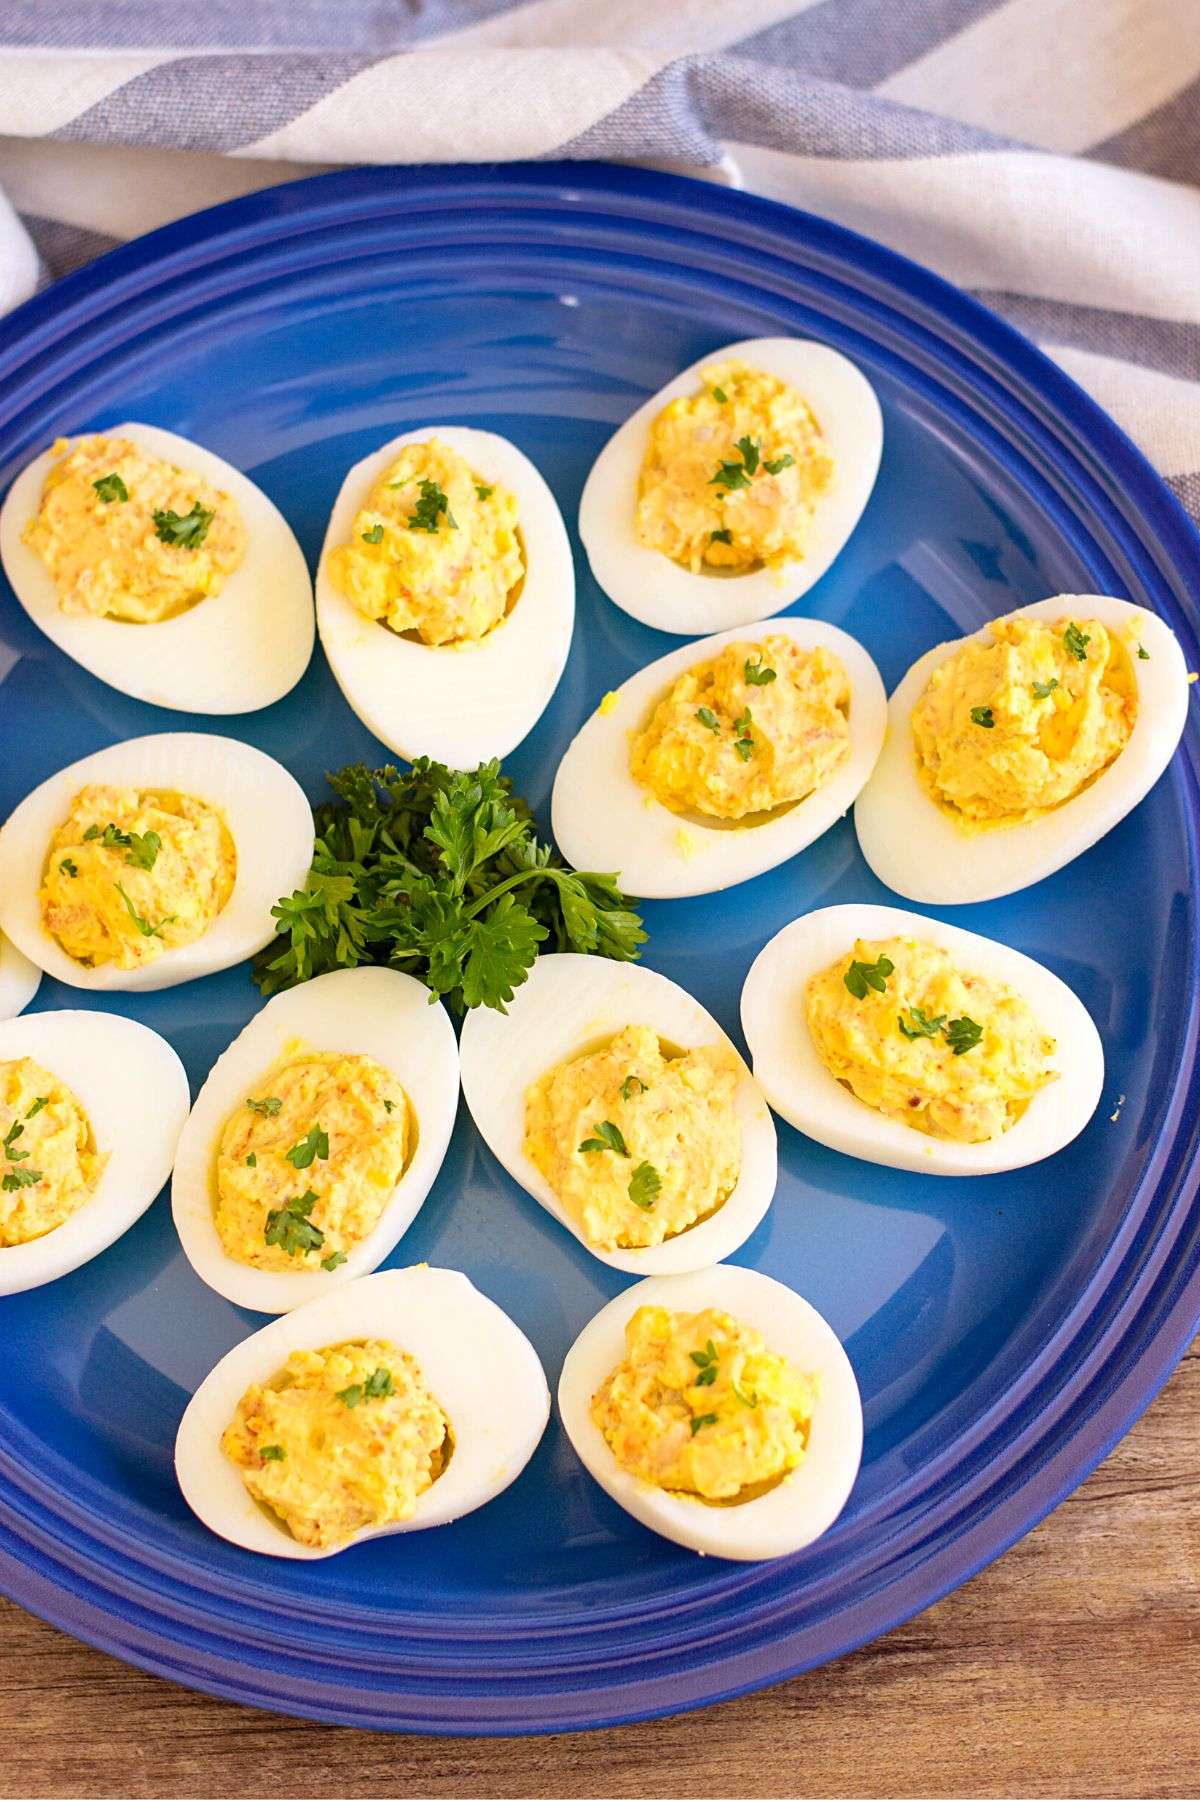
110,488
377,1386
20,1178
756,673
1077,642
185,530
860,976
1043,689
744,741
144,926
430,509
920,1025
607,1136
290,1227
775,465
314,1143
709,719
374,535
983,715
963,1035
268,1107
645,1185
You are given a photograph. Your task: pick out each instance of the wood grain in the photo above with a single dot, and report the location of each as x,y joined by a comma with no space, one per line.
1069,1669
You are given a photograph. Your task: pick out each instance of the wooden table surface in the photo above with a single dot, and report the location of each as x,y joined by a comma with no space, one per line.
1070,1668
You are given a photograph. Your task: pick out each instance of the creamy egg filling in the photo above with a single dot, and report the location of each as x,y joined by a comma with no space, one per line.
435,550
125,535
341,1440
732,474
49,1164
309,1160
132,872
953,1054
638,1144
760,726
700,1406
1014,725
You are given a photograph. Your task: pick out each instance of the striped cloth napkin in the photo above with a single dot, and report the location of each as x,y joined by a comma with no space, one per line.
1044,154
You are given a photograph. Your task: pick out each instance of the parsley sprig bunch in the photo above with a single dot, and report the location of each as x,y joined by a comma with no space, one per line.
440,873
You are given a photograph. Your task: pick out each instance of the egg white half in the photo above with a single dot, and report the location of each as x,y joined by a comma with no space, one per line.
133,1089
918,850
458,703
264,808
802,1090
660,592
604,819
807,1501
567,1006
233,652
480,1368
355,1012
19,980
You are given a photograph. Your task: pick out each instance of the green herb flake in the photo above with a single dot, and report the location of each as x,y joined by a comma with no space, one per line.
142,849
430,509
709,720
963,1035
720,537
144,926
389,1106
69,867
920,1025
272,1452
645,1185
720,396
756,672
734,475
1043,689
252,1161
377,1386
607,1137
483,492
706,1363
374,535
110,488
750,1400
744,742
15,1130
334,1260
701,1420
983,715
185,530
1143,653
268,1107
290,1227
860,976
1076,642
41,1101
350,1396
632,1084
776,465
315,1143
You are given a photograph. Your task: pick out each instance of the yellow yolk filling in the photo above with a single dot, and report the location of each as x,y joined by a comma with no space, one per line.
760,726
1011,727
895,1049
340,1440
732,474
49,1164
108,554
308,1161
637,1145
701,1406
133,872
435,550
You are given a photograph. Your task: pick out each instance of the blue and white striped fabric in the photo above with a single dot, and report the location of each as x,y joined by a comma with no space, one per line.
1043,153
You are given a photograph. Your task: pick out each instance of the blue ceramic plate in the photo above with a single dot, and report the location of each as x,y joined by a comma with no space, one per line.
1004,1331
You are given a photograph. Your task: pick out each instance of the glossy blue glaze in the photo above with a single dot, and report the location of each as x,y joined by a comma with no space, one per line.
1004,1331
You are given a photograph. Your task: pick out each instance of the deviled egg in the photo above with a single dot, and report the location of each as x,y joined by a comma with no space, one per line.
91,1107
316,1138
719,1409
721,760
153,861
906,1041
19,979
161,569
732,490
1011,751
618,1102
446,594
395,1403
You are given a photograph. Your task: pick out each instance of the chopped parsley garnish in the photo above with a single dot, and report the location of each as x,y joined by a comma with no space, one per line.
289,1226
706,1362
607,1137
15,1130
315,1143
720,537
921,1025
334,1260
750,1400
1044,689
440,873
860,976
734,475
15,1177
709,719
377,1386
743,743
1143,653
68,867
144,926
268,1107
389,1106
430,508
272,1452
20,1178
778,463
110,488
756,672
701,1420
963,1035
35,1109
1076,642
142,847
645,1185
720,396
983,715
252,1161
375,535
186,530
484,492
632,1084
